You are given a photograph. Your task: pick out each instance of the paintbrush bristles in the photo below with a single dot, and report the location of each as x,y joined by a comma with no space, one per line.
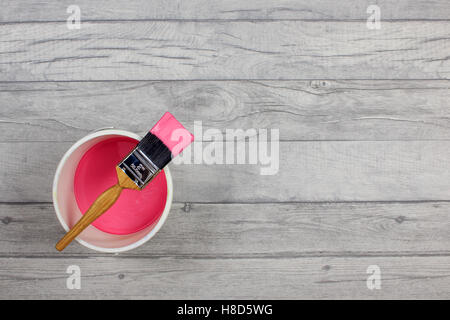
155,150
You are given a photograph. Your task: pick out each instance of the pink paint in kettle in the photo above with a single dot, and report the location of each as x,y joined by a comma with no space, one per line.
133,211
96,172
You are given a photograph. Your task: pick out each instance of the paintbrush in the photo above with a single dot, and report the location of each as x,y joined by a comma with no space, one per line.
164,141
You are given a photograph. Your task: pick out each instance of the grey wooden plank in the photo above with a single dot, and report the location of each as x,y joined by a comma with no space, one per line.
308,171
304,110
44,10
189,50
236,231
307,278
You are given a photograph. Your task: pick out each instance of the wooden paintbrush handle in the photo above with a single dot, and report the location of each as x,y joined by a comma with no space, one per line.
103,203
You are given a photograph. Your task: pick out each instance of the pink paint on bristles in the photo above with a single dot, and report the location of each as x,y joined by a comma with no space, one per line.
172,133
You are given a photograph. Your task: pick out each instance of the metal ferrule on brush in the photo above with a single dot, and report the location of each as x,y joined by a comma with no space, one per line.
139,168
146,160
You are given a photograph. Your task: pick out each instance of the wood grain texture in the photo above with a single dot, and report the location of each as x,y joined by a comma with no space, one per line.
163,278
162,50
44,10
308,171
303,110
364,159
237,231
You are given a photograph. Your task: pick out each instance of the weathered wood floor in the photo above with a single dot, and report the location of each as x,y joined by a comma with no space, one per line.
364,119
